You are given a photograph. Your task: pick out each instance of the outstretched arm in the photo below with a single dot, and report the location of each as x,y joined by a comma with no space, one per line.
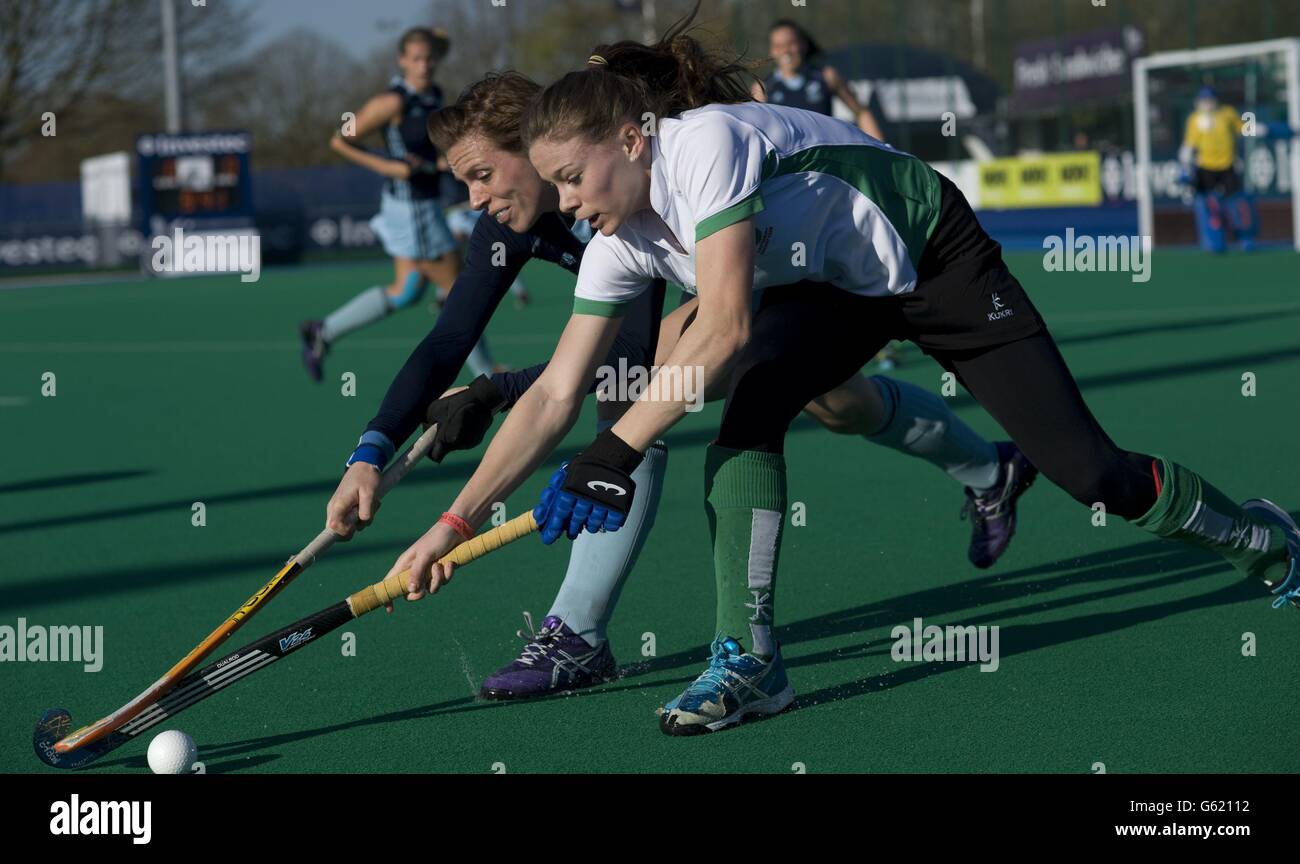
428,372
634,344
725,274
539,421
434,364
541,418
595,490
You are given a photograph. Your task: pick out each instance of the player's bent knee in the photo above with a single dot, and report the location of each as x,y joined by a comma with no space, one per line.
833,419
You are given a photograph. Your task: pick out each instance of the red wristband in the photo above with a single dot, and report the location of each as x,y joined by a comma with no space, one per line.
457,524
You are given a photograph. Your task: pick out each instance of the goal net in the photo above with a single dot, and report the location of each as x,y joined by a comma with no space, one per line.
1261,82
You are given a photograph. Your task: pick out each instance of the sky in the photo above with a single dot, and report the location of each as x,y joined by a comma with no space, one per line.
359,25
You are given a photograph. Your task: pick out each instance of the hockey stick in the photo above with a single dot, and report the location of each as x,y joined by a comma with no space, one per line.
256,655
295,565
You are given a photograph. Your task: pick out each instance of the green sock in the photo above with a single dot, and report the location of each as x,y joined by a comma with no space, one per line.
1190,510
744,493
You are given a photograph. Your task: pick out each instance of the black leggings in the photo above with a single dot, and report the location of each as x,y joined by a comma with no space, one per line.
809,338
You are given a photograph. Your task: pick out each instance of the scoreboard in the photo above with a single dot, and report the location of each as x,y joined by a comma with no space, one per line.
195,178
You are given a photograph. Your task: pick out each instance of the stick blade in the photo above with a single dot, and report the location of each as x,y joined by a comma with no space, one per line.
54,726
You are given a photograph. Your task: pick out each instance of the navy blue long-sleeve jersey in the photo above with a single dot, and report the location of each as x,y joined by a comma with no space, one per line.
435,362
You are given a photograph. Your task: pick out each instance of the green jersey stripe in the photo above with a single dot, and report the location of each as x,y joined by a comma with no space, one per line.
605,309
737,212
904,188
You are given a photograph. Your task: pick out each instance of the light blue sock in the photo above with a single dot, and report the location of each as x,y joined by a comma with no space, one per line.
921,424
412,291
600,563
369,306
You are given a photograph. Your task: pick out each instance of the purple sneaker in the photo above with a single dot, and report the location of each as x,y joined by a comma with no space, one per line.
314,348
993,514
555,660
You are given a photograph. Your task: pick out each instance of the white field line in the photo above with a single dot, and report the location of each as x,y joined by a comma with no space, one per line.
233,347
11,281
66,280
387,343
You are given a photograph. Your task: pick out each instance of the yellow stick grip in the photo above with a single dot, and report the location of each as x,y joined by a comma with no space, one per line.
394,586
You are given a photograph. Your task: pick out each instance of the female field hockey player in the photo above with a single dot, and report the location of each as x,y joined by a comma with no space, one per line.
480,135
799,82
894,252
410,222
520,222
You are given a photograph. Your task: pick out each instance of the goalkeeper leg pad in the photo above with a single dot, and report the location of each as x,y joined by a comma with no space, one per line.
1241,215
1209,222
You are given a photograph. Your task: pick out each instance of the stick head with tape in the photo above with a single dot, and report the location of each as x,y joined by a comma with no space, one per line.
54,725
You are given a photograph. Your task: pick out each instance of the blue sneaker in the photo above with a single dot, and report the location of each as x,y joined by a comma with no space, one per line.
1287,590
554,660
735,686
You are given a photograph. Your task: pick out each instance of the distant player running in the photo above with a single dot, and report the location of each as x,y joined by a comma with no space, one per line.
899,254
410,222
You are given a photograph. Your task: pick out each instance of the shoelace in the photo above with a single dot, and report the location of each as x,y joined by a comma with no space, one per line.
539,642
714,677
980,512
1288,595
981,508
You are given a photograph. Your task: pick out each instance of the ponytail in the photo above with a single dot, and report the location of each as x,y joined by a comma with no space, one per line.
632,81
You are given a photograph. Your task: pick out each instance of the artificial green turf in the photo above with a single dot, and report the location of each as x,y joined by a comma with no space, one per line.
1115,648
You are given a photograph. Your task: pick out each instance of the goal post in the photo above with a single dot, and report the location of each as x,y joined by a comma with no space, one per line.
1262,78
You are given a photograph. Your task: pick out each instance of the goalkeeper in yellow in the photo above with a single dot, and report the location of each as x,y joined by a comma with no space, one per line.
1208,155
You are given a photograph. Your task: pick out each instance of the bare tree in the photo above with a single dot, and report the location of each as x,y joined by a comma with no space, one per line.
545,40
76,58
291,94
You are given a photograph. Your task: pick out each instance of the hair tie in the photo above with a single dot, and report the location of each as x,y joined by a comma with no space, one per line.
597,60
